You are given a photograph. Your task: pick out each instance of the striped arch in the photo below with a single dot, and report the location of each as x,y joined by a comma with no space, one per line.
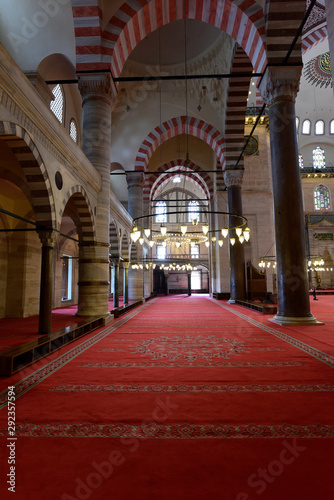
289,14
114,249
317,36
81,211
243,20
133,252
236,108
176,126
203,181
125,247
23,147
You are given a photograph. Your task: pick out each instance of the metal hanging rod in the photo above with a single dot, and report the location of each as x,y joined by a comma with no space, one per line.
178,172
125,79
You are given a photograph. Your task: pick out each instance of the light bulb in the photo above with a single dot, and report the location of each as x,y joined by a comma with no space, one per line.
241,239
163,230
205,228
220,242
232,241
238,231
183,229
224,232
147,232
151,243
141,240
207,244
177,244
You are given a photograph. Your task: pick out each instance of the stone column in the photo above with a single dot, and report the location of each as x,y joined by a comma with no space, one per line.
97,98
48,239
166,282
115,288
135,182
126,282
189,282
279,88
93,281
233,181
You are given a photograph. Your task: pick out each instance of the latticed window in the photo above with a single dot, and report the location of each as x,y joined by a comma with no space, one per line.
193,210
319,158
161,252
306,128
319,127
161,212
322,198
73,131
57,105
301,161
297,123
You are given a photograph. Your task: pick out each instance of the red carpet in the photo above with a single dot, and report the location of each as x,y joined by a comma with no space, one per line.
183,398
17,331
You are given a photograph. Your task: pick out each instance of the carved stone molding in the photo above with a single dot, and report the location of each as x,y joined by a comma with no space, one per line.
48,238
233,178
97,87
135,179
280,82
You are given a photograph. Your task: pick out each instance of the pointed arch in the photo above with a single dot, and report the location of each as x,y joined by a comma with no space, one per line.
203,181
114,248
125,247
243,20
236,108
81,211
176,126
23,147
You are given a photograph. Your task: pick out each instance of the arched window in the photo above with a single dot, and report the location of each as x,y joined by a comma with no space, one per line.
57,105
319,128
161,212
306,129
297,123
322,198
74,131
331,127
193,210
319,158
301,161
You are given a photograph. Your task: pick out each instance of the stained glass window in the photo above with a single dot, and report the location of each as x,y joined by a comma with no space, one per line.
160,212
319,127
74,131
57,105
193,210
301,161
319,158
306,129
322,198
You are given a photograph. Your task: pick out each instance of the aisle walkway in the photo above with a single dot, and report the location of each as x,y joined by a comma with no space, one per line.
185,398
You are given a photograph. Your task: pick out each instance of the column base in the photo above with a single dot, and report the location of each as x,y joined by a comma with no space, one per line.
231,301
295,320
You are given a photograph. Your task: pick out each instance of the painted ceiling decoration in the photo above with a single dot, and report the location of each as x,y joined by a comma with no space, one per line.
318,71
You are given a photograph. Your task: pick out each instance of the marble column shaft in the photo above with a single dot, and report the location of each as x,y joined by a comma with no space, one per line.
97,97
280,87
135,182
233,181
48,239
116,282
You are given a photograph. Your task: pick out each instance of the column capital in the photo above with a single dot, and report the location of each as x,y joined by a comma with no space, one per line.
233,178
97,87
135,179
280,82
126,264
48,237
115,260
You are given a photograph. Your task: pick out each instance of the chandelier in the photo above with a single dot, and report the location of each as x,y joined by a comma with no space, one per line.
190,233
